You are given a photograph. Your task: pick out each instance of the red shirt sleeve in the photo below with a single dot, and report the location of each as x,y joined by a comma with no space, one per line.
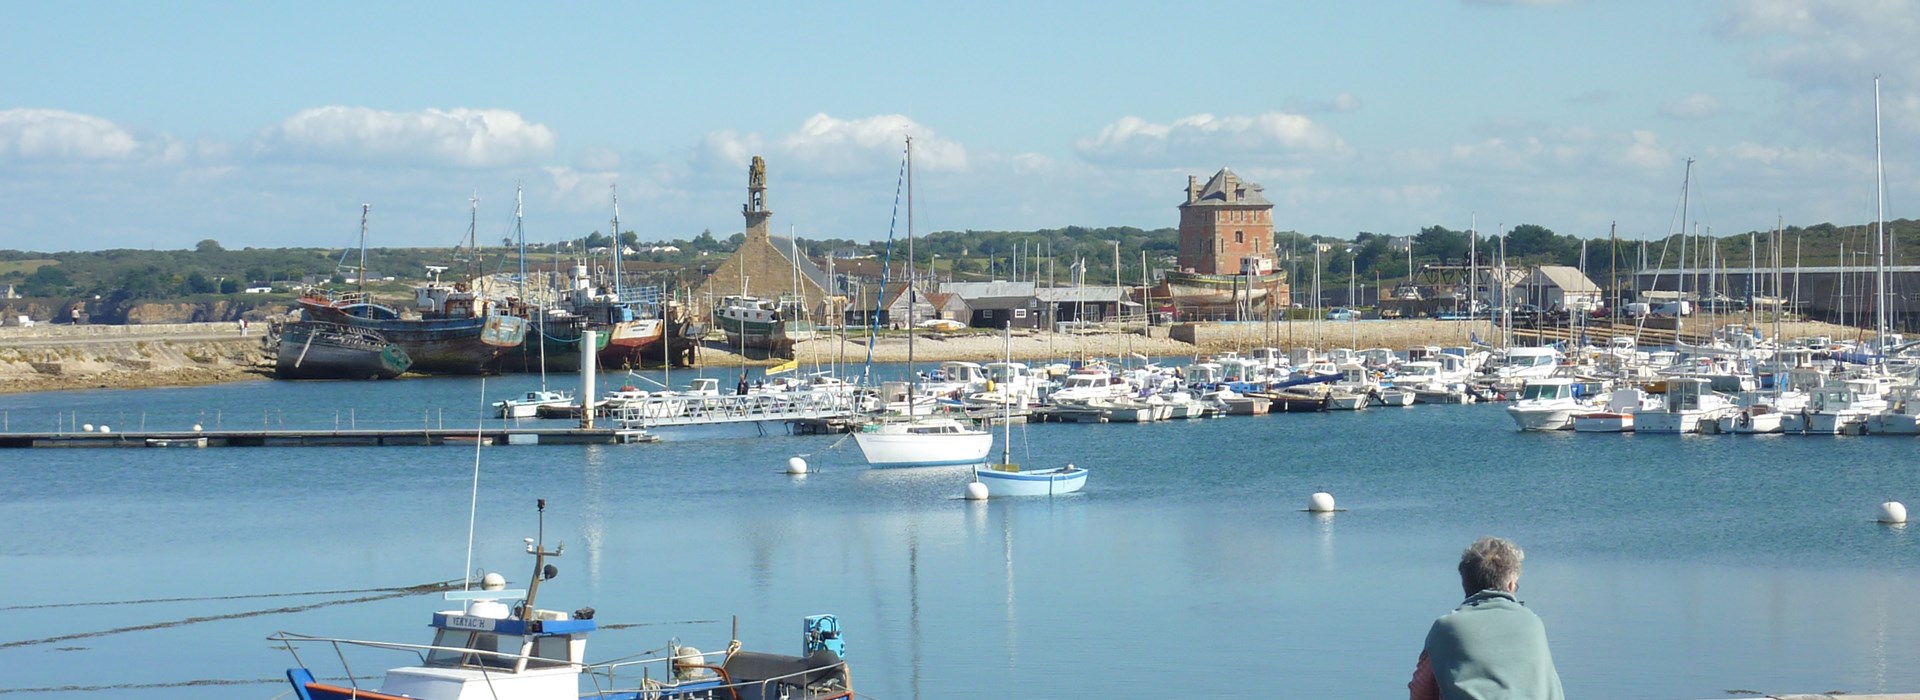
1423,686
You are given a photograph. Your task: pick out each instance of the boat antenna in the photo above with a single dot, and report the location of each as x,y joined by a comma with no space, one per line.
473,503
541,570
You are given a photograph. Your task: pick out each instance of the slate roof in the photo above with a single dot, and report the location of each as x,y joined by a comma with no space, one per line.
1215,192
787,249
980,290
1068,295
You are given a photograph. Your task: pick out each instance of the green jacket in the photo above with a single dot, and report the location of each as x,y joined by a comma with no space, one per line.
1492,647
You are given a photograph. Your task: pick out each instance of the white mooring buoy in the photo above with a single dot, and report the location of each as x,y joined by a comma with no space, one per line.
1320,502
105,429
196,427
796,466
1893,513
976,491
86,428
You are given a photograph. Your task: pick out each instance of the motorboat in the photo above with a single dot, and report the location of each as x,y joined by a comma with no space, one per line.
1837,408
1547,403
500,645
1690,404
528,406
1616,412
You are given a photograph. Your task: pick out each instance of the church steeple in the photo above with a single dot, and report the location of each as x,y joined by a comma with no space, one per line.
756,207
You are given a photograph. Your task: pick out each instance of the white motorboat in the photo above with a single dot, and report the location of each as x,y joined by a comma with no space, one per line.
1547,403
529,406
1902,416
1616,412
1690,405
1837,408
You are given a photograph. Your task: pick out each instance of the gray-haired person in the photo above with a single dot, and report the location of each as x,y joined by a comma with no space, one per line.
1491,646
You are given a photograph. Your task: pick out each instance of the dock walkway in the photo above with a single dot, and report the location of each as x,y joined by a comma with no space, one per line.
328,438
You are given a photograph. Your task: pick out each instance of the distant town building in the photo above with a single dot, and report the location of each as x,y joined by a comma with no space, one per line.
767,266
1226,227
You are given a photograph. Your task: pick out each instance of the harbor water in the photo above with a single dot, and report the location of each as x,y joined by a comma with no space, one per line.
1664,566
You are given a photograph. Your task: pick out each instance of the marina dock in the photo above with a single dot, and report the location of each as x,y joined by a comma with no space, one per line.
330,437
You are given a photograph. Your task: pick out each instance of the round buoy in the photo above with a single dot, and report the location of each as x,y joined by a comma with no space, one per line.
196,427
976,491
1893,513
796,465
87,428
686,662
105,429
1320,502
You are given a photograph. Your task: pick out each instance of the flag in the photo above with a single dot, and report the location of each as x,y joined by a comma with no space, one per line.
788,366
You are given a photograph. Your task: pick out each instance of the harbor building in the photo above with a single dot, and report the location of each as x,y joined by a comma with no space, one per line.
1225,259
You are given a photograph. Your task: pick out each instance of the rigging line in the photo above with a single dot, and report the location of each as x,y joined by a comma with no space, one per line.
245,596
886,269
417,590
196,683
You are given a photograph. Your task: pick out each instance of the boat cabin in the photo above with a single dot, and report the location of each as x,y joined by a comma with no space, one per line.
1683,393
1548,389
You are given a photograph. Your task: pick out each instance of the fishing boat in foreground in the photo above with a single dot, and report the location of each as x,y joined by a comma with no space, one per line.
500,646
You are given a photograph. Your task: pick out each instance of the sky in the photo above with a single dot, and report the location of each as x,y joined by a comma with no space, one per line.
157,125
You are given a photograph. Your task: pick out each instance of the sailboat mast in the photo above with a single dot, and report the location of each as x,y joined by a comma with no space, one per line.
619,295
360,277
520,238
913,383
1880,223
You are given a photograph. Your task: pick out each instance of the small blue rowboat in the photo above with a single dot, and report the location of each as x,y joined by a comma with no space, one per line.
1007,480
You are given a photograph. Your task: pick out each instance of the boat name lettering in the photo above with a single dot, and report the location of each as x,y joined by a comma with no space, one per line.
469,622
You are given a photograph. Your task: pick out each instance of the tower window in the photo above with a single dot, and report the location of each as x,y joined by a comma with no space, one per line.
1239,237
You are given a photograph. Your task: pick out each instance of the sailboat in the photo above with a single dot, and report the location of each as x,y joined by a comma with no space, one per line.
1006,478
920,440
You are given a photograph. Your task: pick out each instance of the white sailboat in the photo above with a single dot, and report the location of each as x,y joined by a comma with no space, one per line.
1007,479
920,440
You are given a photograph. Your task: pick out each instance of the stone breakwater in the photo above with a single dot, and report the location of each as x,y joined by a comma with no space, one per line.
48,357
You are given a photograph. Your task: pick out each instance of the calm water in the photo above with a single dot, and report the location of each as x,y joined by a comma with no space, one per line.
1665,567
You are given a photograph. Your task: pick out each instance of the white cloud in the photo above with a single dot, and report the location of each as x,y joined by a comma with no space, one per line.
55,134
826,145
1207,138
473,138
598,158
1343,102
1695,106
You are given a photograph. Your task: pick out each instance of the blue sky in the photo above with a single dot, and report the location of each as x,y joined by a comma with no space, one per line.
156,125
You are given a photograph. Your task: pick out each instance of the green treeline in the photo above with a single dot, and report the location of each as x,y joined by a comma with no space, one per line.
1045,254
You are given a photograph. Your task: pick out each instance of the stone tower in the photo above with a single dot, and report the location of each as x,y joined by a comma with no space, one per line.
756,209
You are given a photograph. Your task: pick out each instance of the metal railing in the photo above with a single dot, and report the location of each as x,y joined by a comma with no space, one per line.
657,411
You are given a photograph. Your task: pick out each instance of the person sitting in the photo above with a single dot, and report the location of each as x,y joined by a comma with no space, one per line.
1491,646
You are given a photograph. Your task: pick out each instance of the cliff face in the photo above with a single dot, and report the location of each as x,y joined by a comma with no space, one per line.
116,312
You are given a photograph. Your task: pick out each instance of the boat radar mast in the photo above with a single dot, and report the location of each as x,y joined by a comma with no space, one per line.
541,569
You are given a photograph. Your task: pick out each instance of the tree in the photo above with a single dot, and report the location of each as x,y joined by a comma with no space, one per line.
705,242
197,283
208,246
1441,244
47,281
229,286
630,239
